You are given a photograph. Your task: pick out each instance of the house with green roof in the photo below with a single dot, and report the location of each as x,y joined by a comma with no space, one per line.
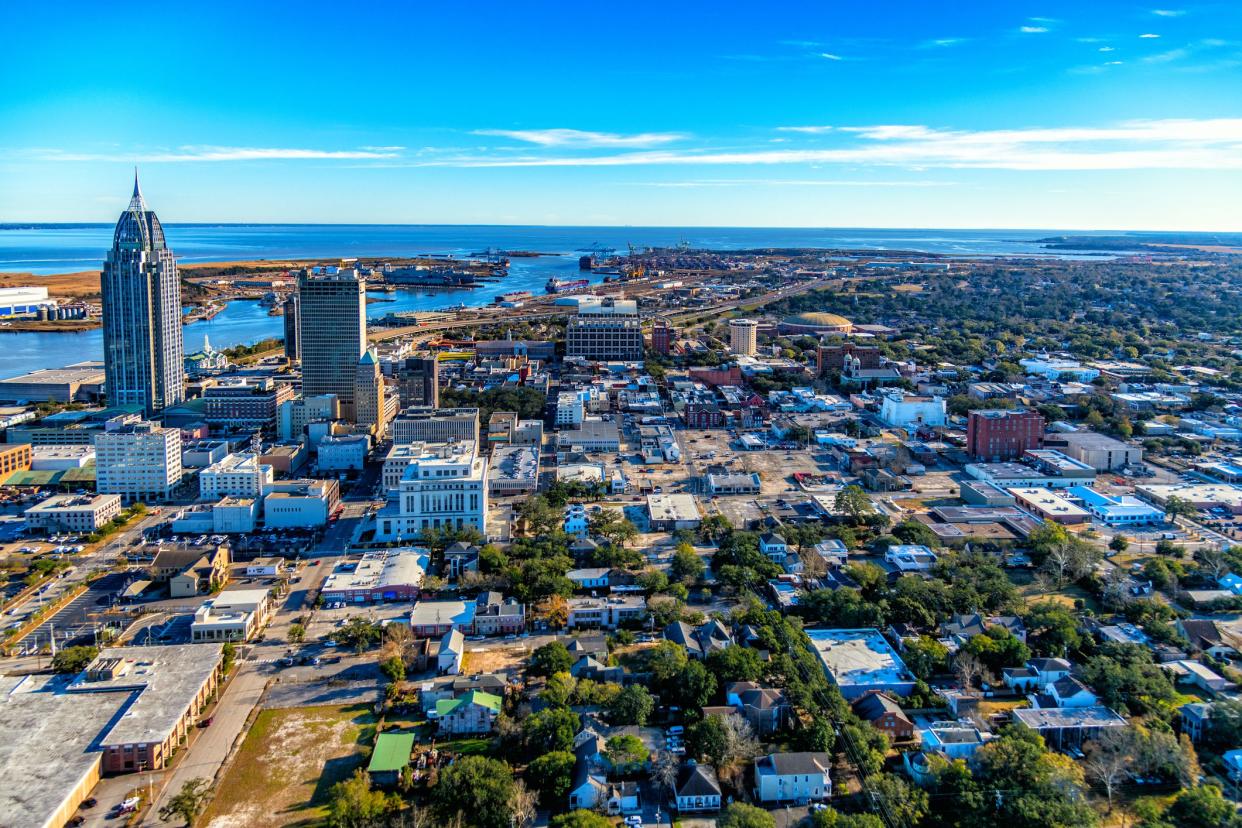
391,754
472,712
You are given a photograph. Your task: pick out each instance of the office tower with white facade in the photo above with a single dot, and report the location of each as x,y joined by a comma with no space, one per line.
139,461
144,357
369,395
332,333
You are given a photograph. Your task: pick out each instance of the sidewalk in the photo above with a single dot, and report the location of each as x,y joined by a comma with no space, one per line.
207,754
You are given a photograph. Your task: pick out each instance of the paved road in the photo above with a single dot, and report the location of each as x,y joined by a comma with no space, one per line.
207,753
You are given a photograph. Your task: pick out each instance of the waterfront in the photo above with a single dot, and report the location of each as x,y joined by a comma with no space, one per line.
47,249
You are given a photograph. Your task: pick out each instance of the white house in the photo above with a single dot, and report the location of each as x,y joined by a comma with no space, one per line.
907,411
793,777
452,651
910,557
1069,692
773,546
591,578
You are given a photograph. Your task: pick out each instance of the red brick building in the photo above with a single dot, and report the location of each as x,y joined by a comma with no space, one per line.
661,338
833,357
1003,435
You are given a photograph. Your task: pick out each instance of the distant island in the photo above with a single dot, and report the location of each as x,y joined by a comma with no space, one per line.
1230,243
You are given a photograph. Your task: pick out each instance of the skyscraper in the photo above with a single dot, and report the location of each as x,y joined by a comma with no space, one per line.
743,336
144,360
332,332
293,319
369,394
418,380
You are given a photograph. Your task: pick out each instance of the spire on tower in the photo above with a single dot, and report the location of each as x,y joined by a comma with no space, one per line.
136,202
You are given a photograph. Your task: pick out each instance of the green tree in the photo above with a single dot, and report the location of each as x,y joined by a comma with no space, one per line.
228,654
925,656
687,565
741,815
357,633
853,502
297,633
632,706
580,819
478,788
707,739
73,659
1052,629
552,728
997,649
735,663
1203,807
1119,543
552,775
393,668
559,689
625,752
188,802
551,658
901,800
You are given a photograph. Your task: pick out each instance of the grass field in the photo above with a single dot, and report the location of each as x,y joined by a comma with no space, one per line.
287,763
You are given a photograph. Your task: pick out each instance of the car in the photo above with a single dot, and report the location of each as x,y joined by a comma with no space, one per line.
675,730
633,819
89,802
76,819
818,806
205,722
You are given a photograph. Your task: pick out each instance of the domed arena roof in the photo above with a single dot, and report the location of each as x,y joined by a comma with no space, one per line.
817,319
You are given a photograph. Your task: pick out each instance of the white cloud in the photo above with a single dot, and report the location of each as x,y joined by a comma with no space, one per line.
583,138
1168,12
1107,49
1033,29
830,56
1151,144
806,130
787,182
1113,63
217,153
1148,36
942,42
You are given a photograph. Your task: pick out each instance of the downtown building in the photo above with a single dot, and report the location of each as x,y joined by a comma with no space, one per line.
144,359
444,485
140,461
1000,434
427,424
743,336
605,329
332,333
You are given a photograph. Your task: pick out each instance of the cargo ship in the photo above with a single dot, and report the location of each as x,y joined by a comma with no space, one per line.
566,285
600,264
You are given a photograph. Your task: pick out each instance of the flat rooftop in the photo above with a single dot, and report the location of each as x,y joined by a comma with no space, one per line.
1049,503
1063,717
514,463
167,678
80,372
677,507
378,570
49,743
1195,493
860,658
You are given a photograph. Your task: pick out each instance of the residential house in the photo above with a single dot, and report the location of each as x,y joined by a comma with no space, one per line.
1195,720
1199,675
460,557
910,557
1036,673
605,613
450,687
494,614
1066,692
191,570
473,712
793,777
766,709
957,740
697,790
773,546
1205,636
1066,728
451,652
885,715
592,578
699,641
833,552
962,628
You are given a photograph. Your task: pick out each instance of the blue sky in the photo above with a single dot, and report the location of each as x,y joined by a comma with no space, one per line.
935,113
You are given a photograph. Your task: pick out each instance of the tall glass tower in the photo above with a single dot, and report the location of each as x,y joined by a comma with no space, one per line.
144,360
332,333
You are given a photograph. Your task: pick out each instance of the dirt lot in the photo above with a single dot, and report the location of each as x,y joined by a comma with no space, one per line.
287,764
494,659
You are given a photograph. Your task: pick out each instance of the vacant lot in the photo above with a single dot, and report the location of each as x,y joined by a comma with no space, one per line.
287,764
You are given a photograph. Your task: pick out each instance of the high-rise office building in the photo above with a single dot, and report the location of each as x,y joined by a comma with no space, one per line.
332,333
139,461
605,329
144,358
293,319
369,395
743,336
418,380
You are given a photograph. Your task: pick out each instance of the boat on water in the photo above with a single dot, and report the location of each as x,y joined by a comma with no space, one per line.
566,285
